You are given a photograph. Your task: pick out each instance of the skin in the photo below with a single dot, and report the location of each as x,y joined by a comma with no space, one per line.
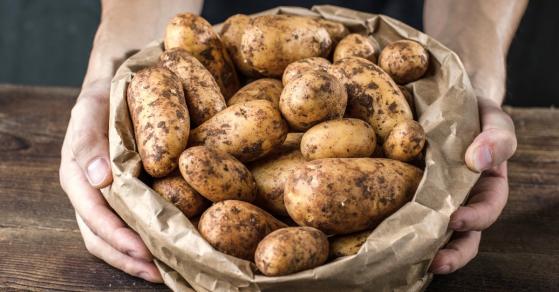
85,168
177,191
266,88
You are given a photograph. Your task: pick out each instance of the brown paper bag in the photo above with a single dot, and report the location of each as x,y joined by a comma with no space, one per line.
396,255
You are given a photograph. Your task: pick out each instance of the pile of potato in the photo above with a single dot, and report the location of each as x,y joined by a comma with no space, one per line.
300,164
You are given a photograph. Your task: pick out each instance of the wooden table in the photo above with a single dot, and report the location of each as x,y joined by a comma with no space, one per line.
41,247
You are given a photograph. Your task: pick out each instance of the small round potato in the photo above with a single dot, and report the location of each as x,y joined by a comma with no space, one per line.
266,88
216,175
405,141
312,98
236,227
339,139
290,250
176,190
336,30
297,68
405,61
346,245
231,35
356,45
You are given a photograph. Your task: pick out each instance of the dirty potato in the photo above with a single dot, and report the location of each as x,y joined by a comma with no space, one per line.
297,68
266,88
231,35
346,195
160,117
405,142
236,227
247,130
312,98
346,245
176,190
290,250
216,175
356,45
405,61
336,30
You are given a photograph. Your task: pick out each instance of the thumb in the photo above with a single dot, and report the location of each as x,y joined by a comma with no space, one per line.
497,141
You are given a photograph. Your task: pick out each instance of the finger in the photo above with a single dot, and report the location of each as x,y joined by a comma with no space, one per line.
497,141
135,267
457,253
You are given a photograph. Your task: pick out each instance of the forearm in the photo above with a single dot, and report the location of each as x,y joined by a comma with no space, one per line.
480,32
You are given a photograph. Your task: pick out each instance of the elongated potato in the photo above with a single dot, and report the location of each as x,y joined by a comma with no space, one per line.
405,142
160,117
196,35
231,35
336,30
290,250
346,195
405,61
236,227
297,68
271,42
216,175
373,96
203,96
356,45
247,130
266,88
339,139
176,190
346,245
312,98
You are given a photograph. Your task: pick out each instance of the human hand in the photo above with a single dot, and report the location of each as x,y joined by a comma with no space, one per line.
488,154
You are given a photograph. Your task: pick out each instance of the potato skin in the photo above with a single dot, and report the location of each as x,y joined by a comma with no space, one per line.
346,245
271,42
339,139
266,88
297,68
346,195
160,117
194,34
373,96
405,61
217,176
231,35
247,130
356,45
405,142
290,250
203,96
336,30
236,227
176,190
312,98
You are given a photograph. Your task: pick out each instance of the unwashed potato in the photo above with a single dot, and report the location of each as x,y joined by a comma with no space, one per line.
271,42
356,45
297,68
346,195
312,98
247,130
405,142
217,175
266,88
231,35
336,30
290,250
203,96
160,117
346,245
176,190
339,139
405,61
373,96
194,34
409,98
236,227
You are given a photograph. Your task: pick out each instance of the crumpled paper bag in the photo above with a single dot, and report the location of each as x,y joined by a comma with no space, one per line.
396,255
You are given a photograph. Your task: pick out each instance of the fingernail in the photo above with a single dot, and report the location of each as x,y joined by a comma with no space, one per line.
442,270
482,159
97,171
456,225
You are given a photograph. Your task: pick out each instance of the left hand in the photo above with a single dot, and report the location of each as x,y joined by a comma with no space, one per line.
488,154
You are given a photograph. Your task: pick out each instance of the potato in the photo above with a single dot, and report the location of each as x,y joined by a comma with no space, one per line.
231,35
336,30
176,190
266,88
297,68
312,98
373,96
405,61
160,117
346,245
236,227
247,130
409,98
346,195
405,142
339,139
290,250
196,35
356,45
203,96
216,175
271,42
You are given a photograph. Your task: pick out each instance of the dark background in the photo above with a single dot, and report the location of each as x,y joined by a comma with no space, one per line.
48,42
